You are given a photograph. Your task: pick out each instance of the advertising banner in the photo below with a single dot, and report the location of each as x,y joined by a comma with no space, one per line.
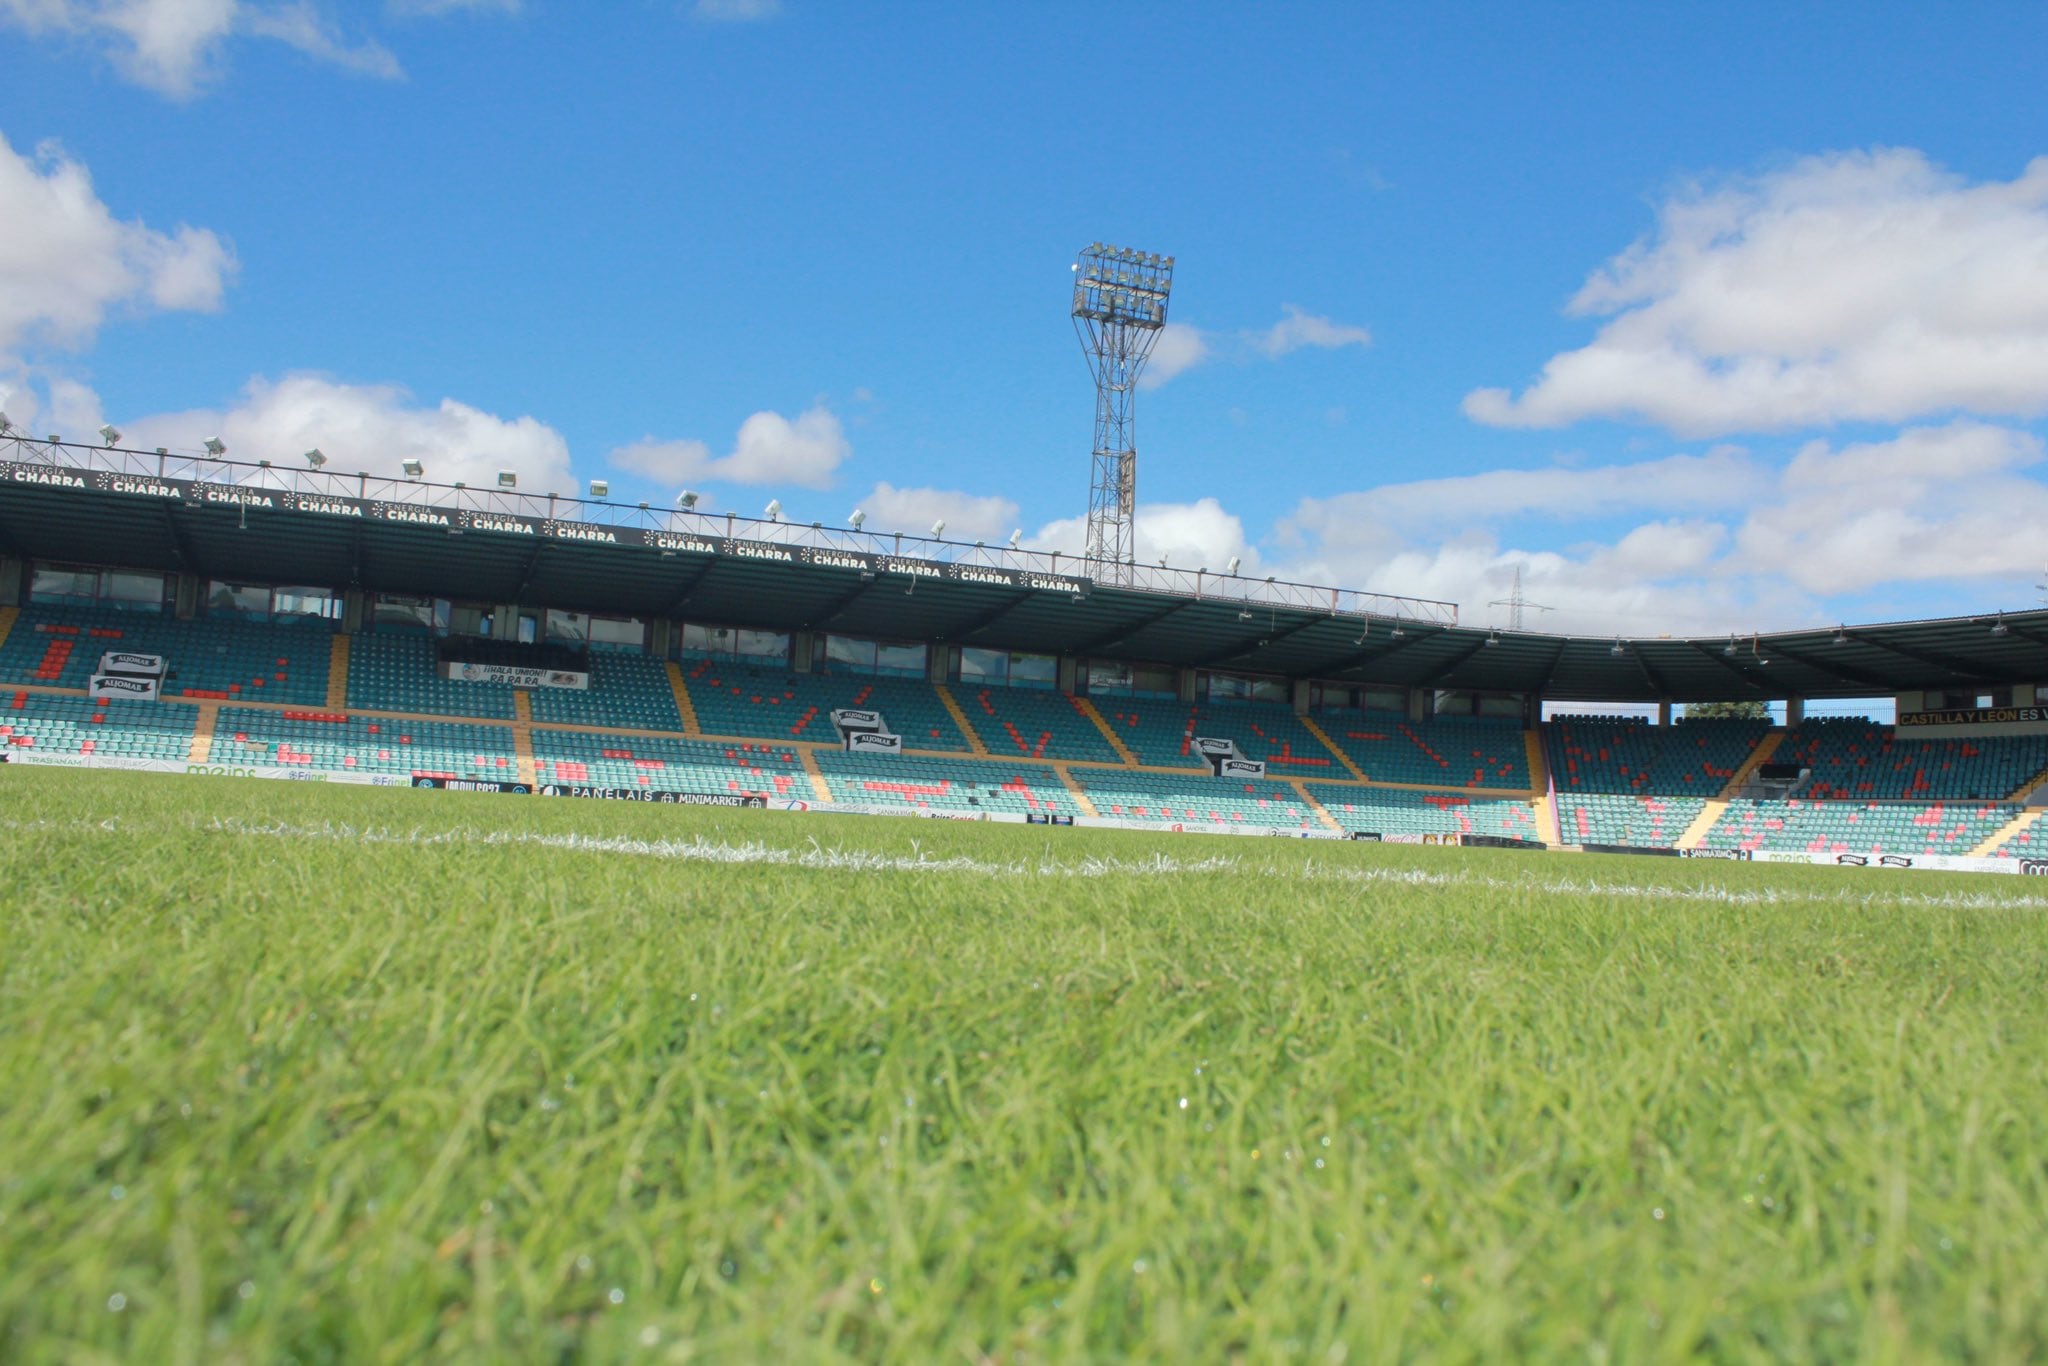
648,794
468,784
514,676
122,688
132,665
873,742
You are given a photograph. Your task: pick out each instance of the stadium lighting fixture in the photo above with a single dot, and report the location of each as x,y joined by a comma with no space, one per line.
1493,637
1999,628
1619,651
773,511
413,468
1230,566
215,447
1017,538
110,434
856,519
1841,635
262,464
600,488
686,500
1119,308
508,479
1397,632
1162,562
315,458
1729,649
938,528
6,425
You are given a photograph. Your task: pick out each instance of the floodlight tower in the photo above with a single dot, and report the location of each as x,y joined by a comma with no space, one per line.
1119,307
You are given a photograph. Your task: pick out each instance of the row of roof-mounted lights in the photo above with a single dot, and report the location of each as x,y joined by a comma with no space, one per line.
1152,258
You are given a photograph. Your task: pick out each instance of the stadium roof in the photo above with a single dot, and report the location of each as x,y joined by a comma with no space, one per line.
267,526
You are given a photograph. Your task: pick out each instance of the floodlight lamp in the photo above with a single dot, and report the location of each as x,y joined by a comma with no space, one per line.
856,519
1998,627
686,500
600,488
1162,562
216,447
1397,631
459,484
413,468
263,464
6,426
1729,648
774,510
939,528
1619,650
1841,635
110,434
508,479
1230,566
1493,637
1017,538
55,438
315,458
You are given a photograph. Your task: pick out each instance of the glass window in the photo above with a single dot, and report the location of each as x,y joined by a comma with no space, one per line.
397,612
845,654
1500,706
305,604
64,584
1034,671
132,591
1136,680
908,660
981,666
617,633
245,601
725,640
468,619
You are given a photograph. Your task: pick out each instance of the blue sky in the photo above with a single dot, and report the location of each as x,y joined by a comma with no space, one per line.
1707,318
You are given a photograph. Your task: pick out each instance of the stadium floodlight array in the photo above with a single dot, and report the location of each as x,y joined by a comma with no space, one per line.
413,468
600,488
508,479
1119,308
315,458
110,434
215,447
856,519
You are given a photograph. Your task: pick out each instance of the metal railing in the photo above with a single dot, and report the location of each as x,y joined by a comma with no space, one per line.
1201,584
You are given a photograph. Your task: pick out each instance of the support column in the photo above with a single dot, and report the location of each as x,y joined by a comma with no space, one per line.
801,652
1298,692
1418,704
10,582
1184,684
1068,675
1664,711
1795,711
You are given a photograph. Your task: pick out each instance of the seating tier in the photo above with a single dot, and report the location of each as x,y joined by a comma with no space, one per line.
1033,723
363,745
262,662
1161,734
731,698
626,690
1629,755
1799,825
921,783
77,725
1449,751
1396,811
1195,797
1617,818
1857,759
391,671
746,768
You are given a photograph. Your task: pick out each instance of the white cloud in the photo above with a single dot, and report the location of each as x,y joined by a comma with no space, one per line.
1933,503
65,260
174,46
432,8
1191,535
803,452
1864,286
369,427
968,516
1722,478
1299,329
1180,347
735,11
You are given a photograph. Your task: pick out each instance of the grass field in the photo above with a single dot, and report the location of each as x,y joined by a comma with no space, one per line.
319,1074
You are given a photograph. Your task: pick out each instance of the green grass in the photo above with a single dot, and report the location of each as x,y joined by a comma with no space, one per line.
384,1075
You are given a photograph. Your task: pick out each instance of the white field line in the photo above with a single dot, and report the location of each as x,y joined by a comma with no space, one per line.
839,859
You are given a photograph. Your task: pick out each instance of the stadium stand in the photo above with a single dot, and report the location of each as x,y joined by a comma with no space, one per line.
1403,811
1629,755
1872,829
335,742
1195,797
1032,723
918,782
629,691
395,671
61,647
2030,841
772,704
1617,818
78,725
1445,752
745,768
1856,759
1161,734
